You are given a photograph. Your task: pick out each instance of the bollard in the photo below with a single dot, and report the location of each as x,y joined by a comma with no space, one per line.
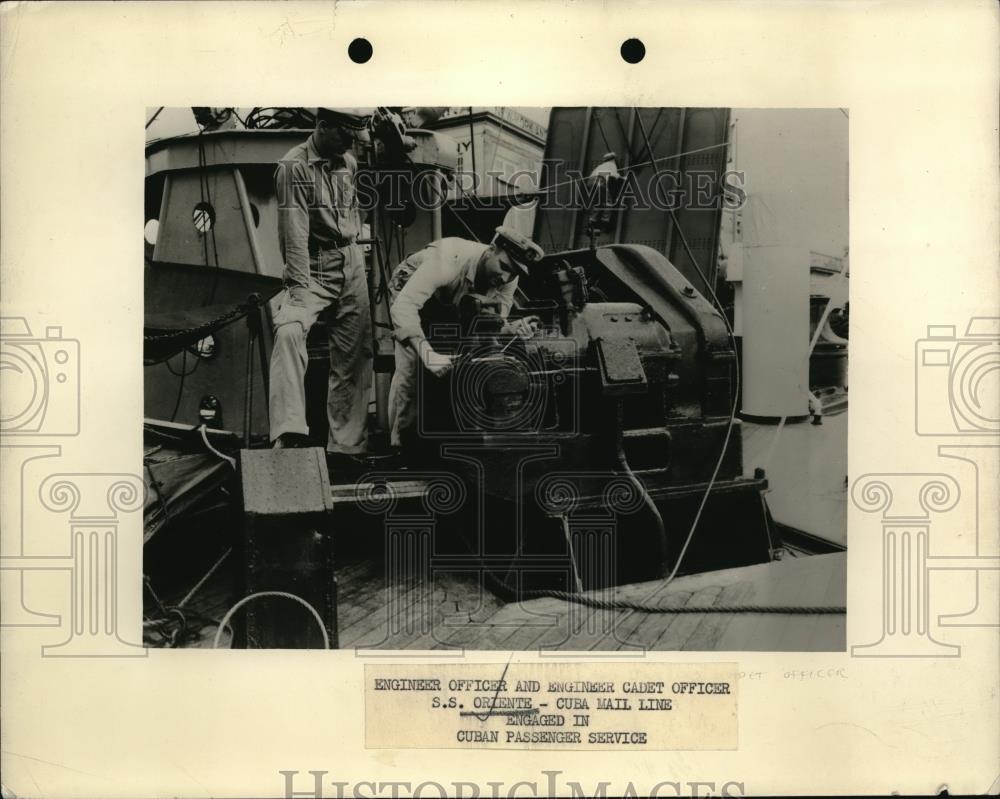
287,542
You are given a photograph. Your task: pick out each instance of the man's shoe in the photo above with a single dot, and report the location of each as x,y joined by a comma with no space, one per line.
290,441
396,460
345,468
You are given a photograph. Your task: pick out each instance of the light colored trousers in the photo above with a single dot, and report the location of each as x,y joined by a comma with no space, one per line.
403,387
403,392
337,286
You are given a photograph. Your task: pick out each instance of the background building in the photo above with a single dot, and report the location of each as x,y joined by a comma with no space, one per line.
501,147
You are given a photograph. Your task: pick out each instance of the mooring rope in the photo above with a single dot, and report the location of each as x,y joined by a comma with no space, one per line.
622,604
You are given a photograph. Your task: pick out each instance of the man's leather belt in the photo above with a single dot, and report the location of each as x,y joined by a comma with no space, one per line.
315,249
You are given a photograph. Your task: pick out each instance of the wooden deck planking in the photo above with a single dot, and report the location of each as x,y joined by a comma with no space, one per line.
416,607
676,629
528,623
404,603
817,580
711,628
629,637
627,622
800,581
479,625
553,624
362,605
352,579
830,632
573,623
476,619
586,625
447,599
463,602
798,635
788,591
357,617
460,617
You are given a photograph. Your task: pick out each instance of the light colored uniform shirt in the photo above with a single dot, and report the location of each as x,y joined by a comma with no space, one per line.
317,206
445,269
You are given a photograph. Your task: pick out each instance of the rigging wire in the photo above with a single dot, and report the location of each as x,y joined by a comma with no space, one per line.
180,387
197,587
600,128
652,161
152,119
206,199
454,213
201,191
472,146
536,193
184,372
496,146
736,364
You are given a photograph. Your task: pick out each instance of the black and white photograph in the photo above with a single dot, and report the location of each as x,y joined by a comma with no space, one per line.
631,430
518,378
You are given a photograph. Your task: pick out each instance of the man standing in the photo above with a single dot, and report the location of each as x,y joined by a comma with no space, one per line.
318,224
448,270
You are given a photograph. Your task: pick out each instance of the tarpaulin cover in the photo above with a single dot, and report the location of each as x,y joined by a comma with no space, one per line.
179,476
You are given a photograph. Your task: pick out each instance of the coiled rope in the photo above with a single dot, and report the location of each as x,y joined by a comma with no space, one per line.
284,595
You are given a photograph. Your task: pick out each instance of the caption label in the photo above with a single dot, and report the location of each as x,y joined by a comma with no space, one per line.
551,706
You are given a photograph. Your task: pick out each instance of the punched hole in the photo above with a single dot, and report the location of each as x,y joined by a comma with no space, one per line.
633,50
360,51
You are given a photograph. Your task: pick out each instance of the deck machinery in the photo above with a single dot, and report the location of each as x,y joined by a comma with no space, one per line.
618,414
